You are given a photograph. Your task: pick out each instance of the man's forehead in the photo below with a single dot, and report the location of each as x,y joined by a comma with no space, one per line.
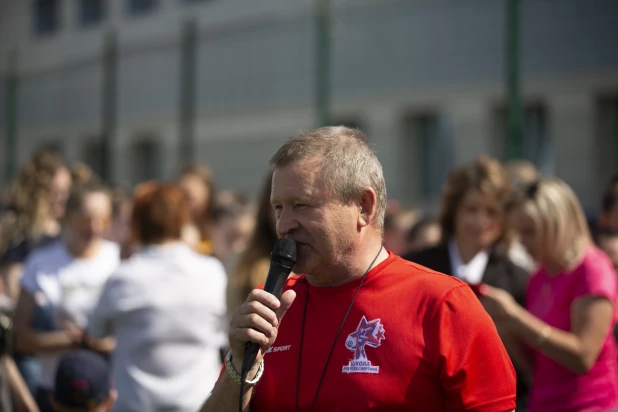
297,180
304,172
300,186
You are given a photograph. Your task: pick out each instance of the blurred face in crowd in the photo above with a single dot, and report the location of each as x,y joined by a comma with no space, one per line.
90,223
59,189
306,211
609,245
395,234
197,192
478,220
230,236
394,239
430,236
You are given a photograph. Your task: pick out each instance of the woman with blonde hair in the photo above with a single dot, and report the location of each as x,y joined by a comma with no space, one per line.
36,206
37,202
563,333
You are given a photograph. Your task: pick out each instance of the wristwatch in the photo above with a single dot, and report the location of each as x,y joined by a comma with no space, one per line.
236,376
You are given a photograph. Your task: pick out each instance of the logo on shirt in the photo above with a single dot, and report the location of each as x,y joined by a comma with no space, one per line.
368,333
278,348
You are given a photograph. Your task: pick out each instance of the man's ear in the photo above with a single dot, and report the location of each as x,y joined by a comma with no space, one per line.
367,207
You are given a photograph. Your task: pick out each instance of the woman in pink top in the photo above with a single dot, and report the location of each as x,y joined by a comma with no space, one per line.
563,335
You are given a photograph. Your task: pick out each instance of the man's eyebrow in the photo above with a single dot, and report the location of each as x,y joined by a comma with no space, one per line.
302,199
305,199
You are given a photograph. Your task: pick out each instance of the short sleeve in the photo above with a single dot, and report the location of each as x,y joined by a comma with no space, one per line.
475,369
595,277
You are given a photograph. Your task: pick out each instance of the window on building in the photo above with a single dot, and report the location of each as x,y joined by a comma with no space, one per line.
140,7
426,155
46,16
535,144
91,12
146,159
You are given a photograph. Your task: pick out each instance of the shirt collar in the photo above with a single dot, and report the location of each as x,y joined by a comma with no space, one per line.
473,271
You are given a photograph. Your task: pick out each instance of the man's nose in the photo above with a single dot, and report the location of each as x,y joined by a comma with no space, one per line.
286,222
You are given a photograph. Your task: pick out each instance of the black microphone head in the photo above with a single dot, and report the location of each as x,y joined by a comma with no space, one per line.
286,249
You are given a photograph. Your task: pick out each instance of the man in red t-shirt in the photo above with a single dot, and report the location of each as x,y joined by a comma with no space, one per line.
364,329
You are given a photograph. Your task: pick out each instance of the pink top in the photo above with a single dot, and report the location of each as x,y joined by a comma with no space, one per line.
556,388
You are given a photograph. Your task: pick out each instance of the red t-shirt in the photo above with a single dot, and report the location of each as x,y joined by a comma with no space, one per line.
414,340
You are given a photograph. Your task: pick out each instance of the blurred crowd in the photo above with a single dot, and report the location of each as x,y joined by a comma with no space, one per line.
143,280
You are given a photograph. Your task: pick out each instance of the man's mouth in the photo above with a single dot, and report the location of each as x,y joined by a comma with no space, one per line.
301,245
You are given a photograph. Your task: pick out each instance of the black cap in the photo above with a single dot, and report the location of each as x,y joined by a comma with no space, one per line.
82,380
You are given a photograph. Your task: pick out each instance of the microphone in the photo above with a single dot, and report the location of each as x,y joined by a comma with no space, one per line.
282,260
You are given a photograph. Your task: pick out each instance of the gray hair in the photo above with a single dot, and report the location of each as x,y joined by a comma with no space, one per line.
349,164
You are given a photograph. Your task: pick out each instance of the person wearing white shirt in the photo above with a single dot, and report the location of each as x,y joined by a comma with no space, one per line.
64,280
166,308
